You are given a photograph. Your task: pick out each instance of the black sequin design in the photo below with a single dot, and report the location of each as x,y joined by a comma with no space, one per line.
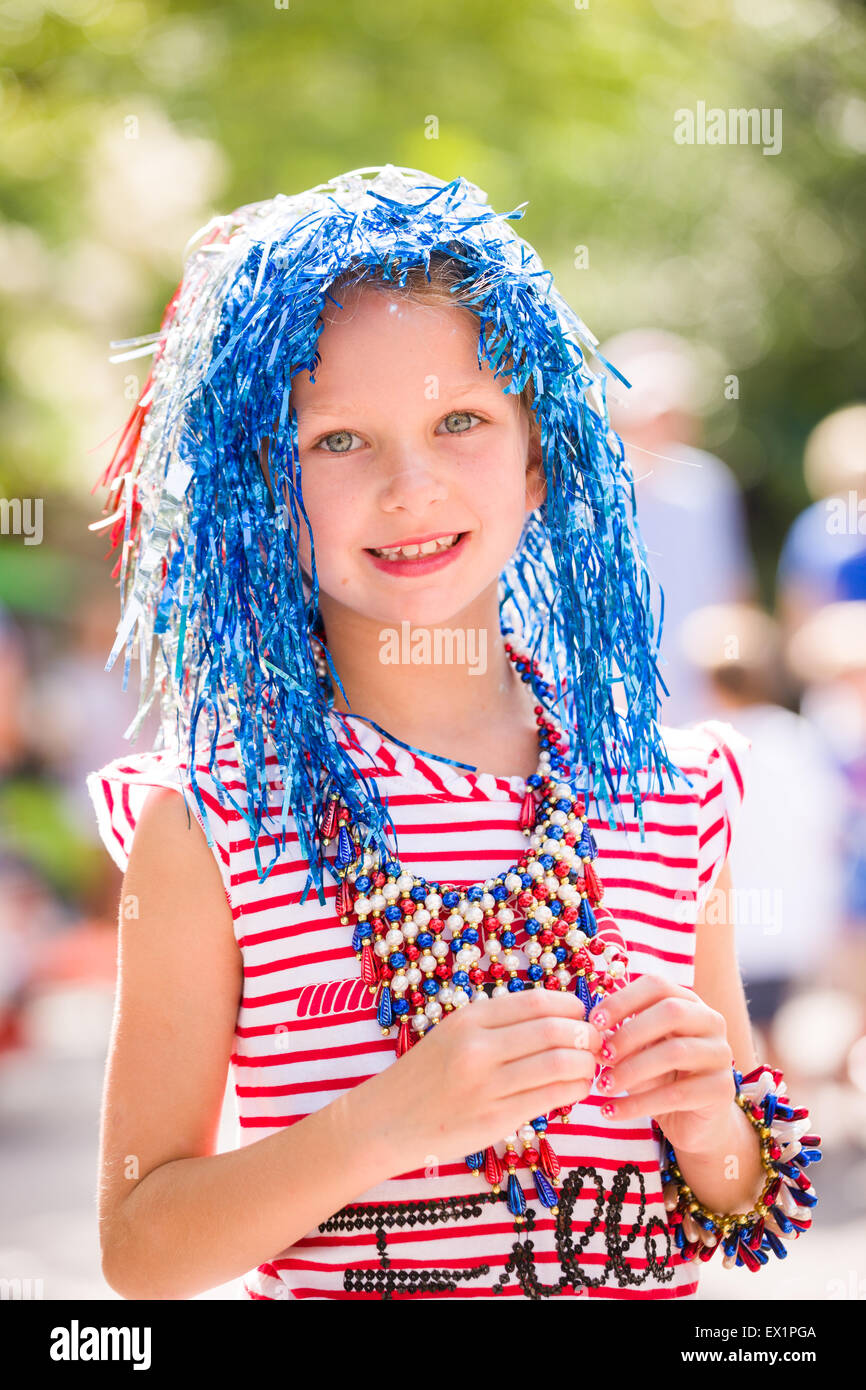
383,1280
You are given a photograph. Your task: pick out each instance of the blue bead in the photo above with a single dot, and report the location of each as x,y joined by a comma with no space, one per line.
397,961
544,1188
345,848
362,929
423,940
554,832
401,1006
500,892
535,972
516,1196
470,934
587,918
430,986
563,804
385,1014
363,883
450,899
562,953
526,880
460,977
584,995
515,985
539,1125
475,1162
555,906
770,1104
531,927
546,861
508,939
454,945
475,893
393,868
393,914
777,1246
534,780
418,894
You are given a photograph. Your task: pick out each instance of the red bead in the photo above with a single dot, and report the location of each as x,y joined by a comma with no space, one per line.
442,972
560,868
497,970
570,914
476,976
525,900
435,925
560,928
492,1167
570,838
595,946
551,982
412,952
417,998
530,1156
541,892
546,937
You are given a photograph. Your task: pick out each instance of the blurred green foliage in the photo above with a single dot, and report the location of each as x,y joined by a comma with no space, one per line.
569,108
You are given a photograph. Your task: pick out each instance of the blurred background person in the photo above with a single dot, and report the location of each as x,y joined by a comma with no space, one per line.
787,854
689,504
823,557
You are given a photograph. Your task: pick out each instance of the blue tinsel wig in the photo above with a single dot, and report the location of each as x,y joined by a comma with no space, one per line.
209,570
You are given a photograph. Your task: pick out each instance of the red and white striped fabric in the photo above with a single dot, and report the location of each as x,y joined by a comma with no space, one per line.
306,1029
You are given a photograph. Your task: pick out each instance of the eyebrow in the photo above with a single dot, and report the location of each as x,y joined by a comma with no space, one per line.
344,408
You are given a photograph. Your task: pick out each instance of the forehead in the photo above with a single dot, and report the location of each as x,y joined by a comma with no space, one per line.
373,336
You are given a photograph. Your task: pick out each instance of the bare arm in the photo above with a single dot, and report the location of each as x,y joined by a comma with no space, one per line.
176,1218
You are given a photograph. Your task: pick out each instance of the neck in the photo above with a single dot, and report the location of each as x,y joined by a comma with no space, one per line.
446,688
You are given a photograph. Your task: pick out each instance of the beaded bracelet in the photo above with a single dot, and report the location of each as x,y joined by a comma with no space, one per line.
783,1210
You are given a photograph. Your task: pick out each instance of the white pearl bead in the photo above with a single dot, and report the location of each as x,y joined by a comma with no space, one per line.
543,913
505,915
464,959
363,907
535,842
562,976
433,1009
616,969
511,961
513,884
533,949
433,901
499,990
563,792
405,883
427,963
534,869
460,998
410,929
474,914
479,994
382,948
456,923
526,1134
548,960
394,938
488,902
413,975
377,902
446,995
572,938
420,1023
511,1139
551,847
463,907
421,917
492,946
390,892
399,984
558,818
439,949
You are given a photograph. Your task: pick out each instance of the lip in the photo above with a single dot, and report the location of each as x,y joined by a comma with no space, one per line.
421,564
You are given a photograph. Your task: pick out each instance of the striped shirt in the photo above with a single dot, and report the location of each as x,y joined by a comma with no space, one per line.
306,1028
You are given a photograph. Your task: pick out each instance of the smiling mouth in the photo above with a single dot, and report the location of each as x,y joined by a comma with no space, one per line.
418,552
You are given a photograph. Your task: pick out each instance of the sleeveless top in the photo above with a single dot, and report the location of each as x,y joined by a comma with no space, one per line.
306,1028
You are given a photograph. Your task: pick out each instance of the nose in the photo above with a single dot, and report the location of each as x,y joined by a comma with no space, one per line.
411,484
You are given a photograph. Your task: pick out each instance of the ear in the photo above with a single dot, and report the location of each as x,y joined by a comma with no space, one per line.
536,482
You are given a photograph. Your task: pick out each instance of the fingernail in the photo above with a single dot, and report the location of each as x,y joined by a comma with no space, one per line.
607,1110
606,1050
600,1020
605,1080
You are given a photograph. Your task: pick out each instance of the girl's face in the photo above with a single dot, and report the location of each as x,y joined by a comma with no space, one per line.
403,440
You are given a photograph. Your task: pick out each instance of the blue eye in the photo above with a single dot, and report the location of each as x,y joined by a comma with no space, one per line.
463,415
346,436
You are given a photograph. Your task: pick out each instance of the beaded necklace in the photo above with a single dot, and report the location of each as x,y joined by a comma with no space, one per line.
421,944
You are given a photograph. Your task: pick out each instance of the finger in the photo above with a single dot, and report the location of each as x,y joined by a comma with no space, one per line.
686,1093
670,1017
565,1067
688,1055
632,998
531,1003
544,1034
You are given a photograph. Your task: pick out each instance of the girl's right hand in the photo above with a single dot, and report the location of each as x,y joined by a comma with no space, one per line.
485,1070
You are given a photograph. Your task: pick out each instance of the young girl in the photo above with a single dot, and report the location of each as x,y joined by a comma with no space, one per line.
483,1016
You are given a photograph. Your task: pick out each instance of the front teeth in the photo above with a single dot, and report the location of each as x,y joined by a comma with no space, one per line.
408,552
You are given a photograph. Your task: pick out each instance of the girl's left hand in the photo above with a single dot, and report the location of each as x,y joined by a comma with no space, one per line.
672,1058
